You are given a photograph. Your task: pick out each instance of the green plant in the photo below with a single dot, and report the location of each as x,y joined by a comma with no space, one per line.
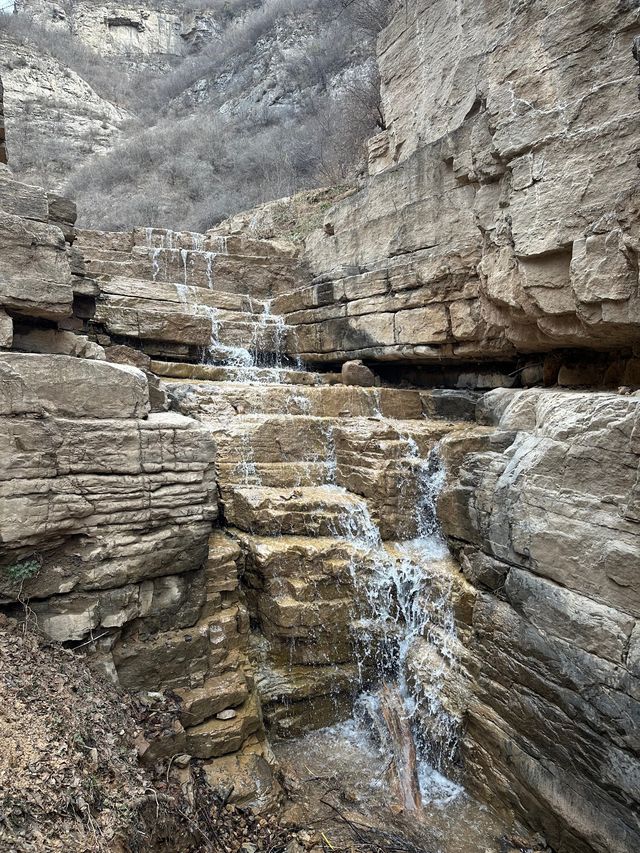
24,570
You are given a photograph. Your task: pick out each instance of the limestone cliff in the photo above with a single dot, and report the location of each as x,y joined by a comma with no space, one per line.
107,502
258,98
133,31
541,510
3,150
501,215
39,85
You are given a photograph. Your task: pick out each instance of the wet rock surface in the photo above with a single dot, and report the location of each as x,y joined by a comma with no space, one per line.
252,547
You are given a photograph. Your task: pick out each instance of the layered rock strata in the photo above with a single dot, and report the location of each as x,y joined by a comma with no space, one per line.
310,478
541,508
107,504
38,85
501,215
3,147
177,295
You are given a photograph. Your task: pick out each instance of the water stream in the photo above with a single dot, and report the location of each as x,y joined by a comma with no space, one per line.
261,357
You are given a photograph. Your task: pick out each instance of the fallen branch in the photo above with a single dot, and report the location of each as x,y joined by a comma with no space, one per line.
403,748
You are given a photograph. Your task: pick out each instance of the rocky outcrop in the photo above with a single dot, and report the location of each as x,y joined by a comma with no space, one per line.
107,504
126,30
37,83
3,148
497,221
225,539
541,509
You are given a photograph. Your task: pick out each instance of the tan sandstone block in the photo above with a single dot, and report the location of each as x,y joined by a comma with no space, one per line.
428,325
80,387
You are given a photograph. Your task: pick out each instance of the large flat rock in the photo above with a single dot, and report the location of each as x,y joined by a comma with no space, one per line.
75,387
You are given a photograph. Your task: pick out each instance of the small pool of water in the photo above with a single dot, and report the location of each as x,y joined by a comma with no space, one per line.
339,775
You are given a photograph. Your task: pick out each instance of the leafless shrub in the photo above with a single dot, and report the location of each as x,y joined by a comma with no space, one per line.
185,163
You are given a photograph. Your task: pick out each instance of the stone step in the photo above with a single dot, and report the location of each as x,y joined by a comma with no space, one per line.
382,459
89,239
216,737
272,559
304,511
165,312
158,294
282,438
223,373
231,399
273,450
299,699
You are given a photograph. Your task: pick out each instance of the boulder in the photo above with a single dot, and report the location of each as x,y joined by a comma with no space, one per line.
356,373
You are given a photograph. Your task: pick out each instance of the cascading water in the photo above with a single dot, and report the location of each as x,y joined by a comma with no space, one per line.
404,604
263,357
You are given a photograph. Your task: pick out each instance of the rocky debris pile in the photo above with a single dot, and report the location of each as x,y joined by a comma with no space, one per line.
69,775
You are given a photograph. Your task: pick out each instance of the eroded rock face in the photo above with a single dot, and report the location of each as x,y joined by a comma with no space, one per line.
541,507
35,84
177,295
317,485
107,503
3,149
126,29
502,213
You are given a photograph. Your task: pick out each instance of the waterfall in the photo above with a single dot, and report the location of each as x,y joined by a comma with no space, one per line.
184,254
210,256
262,360
261,357
404,604
155,263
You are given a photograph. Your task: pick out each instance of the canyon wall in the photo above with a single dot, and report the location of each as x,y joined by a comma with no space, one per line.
205,534
107,504
3,147
541,511
502,215
499,224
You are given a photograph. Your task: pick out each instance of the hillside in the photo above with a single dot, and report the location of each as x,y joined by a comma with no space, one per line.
179,117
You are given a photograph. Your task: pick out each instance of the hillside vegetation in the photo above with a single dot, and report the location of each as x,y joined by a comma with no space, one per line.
280,96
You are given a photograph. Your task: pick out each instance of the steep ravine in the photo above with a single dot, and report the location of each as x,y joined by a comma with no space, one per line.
397,601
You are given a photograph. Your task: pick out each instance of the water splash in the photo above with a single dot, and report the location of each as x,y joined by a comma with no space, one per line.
406,605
